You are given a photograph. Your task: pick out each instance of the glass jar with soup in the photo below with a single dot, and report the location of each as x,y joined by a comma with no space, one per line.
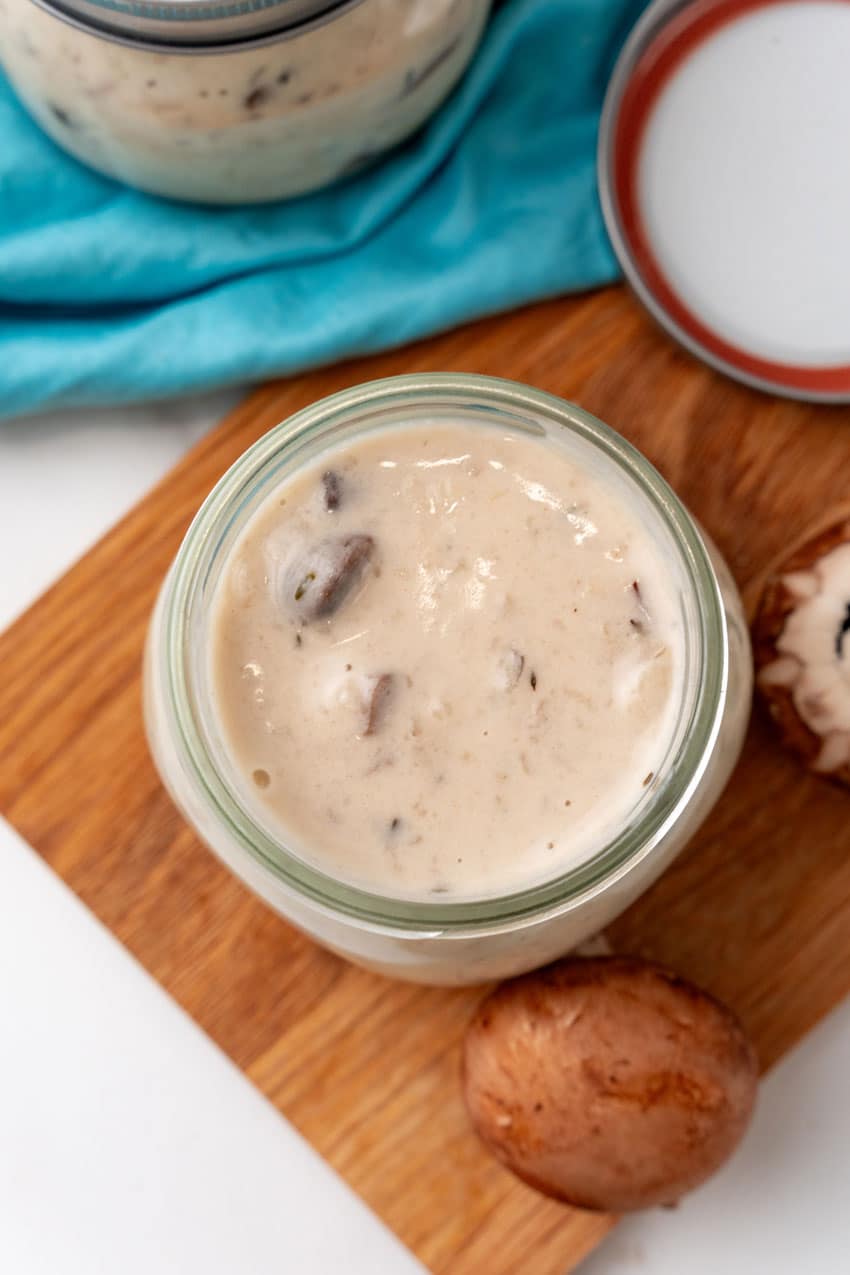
231,102
447,674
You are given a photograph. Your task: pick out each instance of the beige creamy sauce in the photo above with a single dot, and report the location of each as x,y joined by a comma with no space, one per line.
446,660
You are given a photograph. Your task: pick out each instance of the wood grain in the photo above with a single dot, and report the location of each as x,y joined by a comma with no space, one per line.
757,909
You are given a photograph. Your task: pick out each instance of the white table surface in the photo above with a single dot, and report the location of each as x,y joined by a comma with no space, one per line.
129,1143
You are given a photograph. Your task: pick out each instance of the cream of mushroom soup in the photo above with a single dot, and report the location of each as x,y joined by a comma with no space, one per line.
446,660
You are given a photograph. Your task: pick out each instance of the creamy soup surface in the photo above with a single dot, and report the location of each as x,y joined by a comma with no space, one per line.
446,660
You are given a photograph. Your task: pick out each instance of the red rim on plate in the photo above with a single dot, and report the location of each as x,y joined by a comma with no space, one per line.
666,35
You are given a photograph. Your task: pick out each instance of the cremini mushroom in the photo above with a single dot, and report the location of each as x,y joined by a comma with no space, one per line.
608,1083
801,639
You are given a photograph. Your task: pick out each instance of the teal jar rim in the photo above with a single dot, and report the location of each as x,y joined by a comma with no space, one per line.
220,515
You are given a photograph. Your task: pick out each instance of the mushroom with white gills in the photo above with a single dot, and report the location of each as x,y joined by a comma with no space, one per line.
801,639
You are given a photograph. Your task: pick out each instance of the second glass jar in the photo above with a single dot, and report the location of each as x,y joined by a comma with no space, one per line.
225,109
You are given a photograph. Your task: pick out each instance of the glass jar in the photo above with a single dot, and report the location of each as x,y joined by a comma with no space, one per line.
234,101
457,942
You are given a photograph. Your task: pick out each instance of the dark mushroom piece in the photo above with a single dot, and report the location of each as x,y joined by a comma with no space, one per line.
318,581
379,692
331,490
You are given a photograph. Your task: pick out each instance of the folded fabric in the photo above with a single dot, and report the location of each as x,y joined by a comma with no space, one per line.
107,295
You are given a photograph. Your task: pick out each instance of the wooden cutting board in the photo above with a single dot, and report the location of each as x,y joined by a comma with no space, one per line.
757,909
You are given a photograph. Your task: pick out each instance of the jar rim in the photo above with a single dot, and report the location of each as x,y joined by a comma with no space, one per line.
430,391
196,26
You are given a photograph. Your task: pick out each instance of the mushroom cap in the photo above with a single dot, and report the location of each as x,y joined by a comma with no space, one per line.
608,1083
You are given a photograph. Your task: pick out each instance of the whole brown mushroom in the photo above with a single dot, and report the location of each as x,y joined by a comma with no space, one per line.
608,1083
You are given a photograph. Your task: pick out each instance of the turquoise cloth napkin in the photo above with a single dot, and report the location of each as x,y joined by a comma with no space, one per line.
110,296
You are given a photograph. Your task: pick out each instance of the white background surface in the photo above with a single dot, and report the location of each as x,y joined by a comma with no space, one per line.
128,1143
